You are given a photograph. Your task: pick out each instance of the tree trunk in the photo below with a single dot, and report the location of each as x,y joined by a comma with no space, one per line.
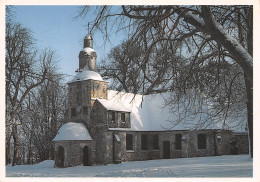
23,156
7,146
29,150
249,87
16,144
29,156
7,154
249,104
242,56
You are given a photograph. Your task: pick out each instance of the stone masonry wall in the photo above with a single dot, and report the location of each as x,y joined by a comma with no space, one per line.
224,142
192,144
138,154
215,145
242,143
99,114
104,145
80,94
73,152
106,153
79,97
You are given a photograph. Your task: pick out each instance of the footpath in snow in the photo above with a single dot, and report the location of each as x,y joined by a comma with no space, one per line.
218,166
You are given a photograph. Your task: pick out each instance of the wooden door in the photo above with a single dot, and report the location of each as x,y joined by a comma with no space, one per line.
60,157
85,156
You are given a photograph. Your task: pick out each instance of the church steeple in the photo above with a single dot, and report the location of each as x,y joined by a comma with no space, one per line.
88,41
88,56
86,84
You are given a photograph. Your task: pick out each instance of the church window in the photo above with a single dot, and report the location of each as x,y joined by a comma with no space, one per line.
113,116
73,112
155,142
129,142
178,145
144,143
85,110
201,141
123,117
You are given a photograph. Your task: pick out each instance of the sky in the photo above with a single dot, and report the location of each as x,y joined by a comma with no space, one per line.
59,28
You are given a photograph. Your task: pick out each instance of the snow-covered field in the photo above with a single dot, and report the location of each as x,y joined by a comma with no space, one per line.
218,166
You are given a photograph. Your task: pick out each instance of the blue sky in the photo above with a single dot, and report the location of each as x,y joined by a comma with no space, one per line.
57,27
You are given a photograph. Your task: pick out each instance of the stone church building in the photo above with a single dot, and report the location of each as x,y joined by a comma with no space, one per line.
108,126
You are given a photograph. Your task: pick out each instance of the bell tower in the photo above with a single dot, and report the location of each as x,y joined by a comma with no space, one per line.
86,86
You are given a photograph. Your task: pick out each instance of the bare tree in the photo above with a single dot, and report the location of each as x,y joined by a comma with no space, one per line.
123,65
51,100
212,39
25,70
43,114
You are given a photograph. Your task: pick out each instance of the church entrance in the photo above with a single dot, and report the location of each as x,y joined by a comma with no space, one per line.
85,156
166,150
60,162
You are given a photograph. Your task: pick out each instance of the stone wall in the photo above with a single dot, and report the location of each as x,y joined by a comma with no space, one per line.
98,89
242,143
79,97
104,145
73,152
110,146
224,142
138,154
82,96
217,143
192,144
99,114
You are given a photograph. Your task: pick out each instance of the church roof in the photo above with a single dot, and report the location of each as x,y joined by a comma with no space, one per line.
72,131
149,113
87,75
117,101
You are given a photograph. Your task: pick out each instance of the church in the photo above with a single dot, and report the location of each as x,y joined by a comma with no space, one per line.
108,126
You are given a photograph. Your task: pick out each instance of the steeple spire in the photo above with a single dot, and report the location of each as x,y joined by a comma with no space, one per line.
88,41
87,57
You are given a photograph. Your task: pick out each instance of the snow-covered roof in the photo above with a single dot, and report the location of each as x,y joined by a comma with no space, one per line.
117,101
87,75
149,113
111,106
88,50
72,131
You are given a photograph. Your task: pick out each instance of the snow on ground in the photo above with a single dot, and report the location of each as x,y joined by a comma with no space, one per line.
218,166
